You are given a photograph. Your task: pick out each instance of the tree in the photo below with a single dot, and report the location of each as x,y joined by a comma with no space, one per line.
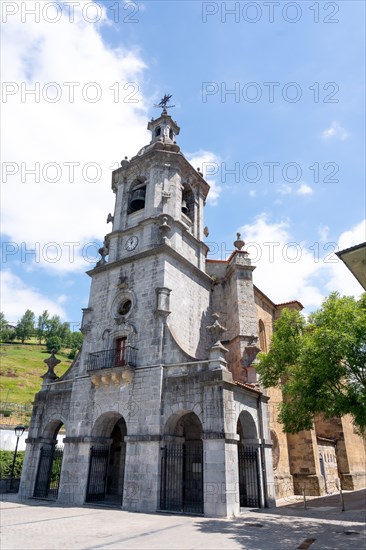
76,339
53,342
42,325
320,364
53,326
4,332
25,327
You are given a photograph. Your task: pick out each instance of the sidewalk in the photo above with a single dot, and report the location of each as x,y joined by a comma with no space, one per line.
45,526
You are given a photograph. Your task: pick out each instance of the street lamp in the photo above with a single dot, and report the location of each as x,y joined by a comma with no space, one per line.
19,431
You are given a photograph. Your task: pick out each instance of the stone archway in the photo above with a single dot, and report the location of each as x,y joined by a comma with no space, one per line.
248,462
50,463
181,488
107,460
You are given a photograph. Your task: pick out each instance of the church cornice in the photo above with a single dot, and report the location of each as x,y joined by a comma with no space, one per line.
156,221
131,169
156,250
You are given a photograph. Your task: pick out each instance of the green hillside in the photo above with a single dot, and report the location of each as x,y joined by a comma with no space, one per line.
21,367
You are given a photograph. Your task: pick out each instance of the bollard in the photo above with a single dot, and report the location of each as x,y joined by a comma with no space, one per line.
304,495
342,499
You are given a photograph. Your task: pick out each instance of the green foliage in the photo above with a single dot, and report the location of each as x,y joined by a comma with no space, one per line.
320,363
53,342
42,325
76,340
6,461
4,332
72,353
25,327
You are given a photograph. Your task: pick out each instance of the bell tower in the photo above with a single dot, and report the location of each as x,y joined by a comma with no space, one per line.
153,262
160,199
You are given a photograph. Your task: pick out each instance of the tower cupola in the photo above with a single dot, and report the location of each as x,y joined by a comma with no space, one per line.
163,129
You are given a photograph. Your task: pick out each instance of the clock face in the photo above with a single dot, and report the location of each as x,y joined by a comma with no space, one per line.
131,243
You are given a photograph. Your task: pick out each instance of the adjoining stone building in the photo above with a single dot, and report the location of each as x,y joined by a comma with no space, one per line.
162,409
316,460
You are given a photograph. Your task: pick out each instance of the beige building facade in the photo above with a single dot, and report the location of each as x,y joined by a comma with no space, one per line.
317,460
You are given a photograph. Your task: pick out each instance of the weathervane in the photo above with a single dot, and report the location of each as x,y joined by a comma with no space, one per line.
164,103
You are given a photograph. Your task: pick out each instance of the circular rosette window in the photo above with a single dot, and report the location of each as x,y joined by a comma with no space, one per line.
123,305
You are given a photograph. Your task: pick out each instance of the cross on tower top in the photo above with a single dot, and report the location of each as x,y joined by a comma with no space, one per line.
164,103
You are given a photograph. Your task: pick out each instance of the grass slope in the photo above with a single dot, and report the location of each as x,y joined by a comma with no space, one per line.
21,369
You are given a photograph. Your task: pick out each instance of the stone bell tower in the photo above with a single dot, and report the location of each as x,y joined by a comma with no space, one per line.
153,260
152,415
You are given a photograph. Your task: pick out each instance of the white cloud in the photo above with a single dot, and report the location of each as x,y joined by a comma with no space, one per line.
284,265
336,131
323,232
284,189
288,269
339,276
209,164
73,209
62,299
356,235
17,297
304,189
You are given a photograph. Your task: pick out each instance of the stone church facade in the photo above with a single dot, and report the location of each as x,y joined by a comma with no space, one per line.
162,410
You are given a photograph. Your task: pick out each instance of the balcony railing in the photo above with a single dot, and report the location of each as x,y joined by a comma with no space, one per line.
109,359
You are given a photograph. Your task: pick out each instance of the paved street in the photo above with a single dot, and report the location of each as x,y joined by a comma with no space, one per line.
39,525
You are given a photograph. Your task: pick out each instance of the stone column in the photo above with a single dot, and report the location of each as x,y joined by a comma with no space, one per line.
141,484
220,475
30,466
75,470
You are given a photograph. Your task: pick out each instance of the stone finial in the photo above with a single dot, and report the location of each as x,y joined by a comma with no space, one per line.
239,243
125,162
216,329
103,251
162,301
51,363
165,228
206,231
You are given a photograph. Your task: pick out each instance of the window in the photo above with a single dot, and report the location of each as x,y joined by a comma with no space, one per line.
120,352
262,336
157,131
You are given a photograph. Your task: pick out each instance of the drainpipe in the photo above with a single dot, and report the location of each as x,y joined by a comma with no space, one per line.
261,449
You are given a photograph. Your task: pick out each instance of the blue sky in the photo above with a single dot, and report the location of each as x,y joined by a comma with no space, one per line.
270,101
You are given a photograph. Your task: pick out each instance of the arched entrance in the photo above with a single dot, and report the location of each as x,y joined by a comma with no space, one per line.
248,462
107,460
181,488
50,463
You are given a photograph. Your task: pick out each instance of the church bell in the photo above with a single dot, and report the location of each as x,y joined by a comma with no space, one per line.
184,207
138,199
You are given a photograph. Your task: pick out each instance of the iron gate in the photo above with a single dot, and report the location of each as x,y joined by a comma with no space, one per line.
49,471
97,478
181,488
249,481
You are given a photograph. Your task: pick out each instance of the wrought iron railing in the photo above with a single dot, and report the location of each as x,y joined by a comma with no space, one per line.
109,359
